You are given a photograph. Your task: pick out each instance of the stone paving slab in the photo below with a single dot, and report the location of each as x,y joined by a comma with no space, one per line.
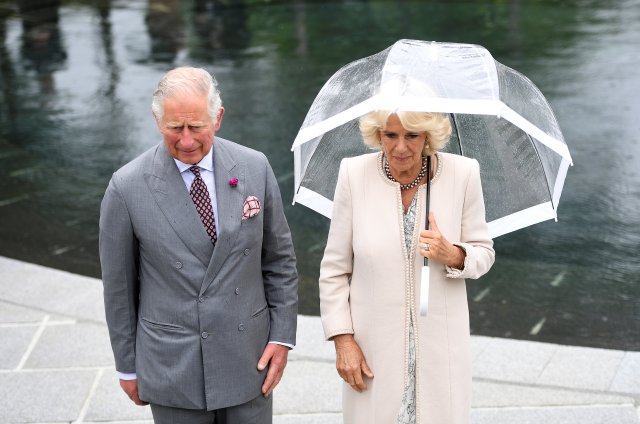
491,394
478,345
43,396
308,419
513,360
118,422
66,346
110,403
557,415
16,314
308,388
627,379
311,343
47,289
582,368
15,341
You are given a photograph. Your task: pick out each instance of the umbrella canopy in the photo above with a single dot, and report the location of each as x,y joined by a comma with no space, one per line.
499,118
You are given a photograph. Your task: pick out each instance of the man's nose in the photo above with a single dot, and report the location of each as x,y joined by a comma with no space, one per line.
186,137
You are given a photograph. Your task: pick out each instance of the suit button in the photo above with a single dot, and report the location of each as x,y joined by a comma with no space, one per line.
201,299
178,265
237,290
205,334
241,327
246,252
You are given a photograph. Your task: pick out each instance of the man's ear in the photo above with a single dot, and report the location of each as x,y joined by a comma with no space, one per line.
219,121
157,121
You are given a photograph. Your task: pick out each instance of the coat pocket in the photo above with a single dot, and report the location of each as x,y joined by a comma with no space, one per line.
260,311
161,325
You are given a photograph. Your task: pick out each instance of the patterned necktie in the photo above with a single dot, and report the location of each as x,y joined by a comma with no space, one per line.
202,201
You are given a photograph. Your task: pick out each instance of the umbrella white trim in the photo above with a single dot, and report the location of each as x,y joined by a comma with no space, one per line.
516,221
557,188
314,201
522,219
405,103
316,130
552,143
432,104
297,172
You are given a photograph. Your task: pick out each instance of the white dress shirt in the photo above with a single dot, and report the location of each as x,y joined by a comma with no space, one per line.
206,172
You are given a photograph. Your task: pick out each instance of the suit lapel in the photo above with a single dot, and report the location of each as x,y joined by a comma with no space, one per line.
230,201
168,189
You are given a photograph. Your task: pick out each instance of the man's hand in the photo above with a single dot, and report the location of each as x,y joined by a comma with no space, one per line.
275,356
130,387
350,362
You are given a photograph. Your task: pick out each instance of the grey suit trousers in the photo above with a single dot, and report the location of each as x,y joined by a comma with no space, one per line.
256,411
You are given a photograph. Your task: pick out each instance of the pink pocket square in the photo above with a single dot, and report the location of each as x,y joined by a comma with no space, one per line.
251,207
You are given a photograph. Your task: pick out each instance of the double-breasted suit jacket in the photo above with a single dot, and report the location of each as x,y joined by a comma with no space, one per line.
189,319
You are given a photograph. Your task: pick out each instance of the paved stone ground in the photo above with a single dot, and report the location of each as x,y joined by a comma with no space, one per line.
56,367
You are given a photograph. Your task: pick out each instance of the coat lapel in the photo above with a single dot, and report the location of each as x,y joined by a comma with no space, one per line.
168,189
230,201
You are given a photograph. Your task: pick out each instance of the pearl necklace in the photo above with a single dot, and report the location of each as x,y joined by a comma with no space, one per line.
423,172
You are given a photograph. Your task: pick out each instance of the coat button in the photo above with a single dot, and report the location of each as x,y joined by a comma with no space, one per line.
178,265
205,334
246,252
237,290
201,299
241,327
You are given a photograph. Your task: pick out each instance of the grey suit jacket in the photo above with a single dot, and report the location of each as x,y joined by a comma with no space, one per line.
190,320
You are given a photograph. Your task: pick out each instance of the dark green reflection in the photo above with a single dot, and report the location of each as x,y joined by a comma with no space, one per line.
75,86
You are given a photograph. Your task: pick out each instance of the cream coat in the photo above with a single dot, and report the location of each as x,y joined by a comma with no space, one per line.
368,287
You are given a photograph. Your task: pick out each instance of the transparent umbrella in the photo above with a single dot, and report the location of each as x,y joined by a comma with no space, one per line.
499,117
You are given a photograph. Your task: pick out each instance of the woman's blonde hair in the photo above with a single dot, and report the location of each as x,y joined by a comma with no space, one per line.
436,125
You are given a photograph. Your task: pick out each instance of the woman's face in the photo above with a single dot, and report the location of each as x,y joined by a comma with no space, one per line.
402,148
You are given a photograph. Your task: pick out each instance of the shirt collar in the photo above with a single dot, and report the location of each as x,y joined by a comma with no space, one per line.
205,163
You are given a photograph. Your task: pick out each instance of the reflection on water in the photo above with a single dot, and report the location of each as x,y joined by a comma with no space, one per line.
75,86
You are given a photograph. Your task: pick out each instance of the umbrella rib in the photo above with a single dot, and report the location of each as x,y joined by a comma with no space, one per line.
535,149
455,121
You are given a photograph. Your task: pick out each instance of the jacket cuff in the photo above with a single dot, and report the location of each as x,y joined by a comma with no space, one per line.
460,273
338,332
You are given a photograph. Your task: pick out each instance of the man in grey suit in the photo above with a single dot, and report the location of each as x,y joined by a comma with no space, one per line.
198,267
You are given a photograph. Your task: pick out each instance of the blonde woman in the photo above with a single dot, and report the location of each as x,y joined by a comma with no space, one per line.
398,366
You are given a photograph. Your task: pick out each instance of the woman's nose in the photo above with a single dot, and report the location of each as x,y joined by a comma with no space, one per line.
402,144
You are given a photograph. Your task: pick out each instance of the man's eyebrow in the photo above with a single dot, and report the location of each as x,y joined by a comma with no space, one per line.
190,124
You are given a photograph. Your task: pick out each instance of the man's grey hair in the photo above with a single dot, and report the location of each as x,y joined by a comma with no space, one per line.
187,80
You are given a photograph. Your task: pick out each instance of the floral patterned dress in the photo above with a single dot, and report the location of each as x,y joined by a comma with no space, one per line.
407,413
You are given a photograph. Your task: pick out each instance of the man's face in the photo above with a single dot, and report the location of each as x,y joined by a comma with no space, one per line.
187,128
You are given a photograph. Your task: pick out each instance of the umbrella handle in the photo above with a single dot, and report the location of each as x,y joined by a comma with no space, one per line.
424,291
424,277
428,202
